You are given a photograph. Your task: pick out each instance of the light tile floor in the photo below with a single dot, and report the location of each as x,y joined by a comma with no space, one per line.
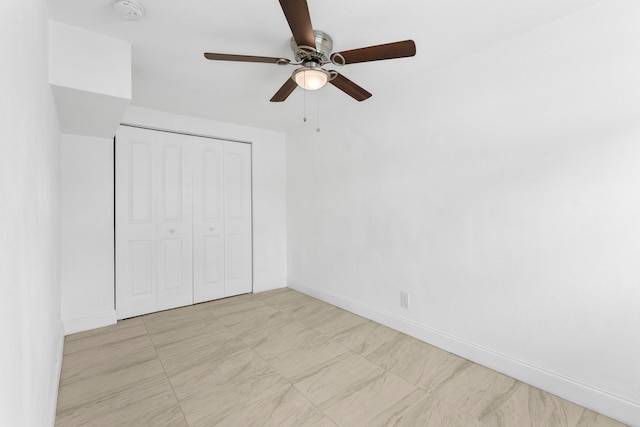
282,358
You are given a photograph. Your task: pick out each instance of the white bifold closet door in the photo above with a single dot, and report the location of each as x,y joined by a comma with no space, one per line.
183,220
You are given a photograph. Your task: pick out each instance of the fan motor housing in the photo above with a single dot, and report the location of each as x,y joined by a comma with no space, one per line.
318,53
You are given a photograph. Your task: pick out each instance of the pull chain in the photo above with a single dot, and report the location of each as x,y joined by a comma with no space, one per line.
318,112
304,98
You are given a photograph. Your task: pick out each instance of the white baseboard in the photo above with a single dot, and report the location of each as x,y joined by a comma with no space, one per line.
55,380
98,320
269,285
601,401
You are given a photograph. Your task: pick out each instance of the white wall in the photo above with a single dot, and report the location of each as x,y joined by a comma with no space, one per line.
502,192
30,327
268,180
87,233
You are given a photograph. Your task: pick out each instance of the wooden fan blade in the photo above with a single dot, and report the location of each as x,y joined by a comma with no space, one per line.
245,58
297,14
394,50
283,93
350,88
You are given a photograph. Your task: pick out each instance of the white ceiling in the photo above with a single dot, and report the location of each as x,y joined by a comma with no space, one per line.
171,74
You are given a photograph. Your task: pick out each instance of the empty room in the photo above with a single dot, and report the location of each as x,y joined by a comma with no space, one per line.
320,213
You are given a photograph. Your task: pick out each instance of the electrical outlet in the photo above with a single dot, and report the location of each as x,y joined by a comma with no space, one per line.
404,299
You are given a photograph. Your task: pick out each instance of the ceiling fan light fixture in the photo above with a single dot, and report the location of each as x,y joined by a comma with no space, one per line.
311,77
312,49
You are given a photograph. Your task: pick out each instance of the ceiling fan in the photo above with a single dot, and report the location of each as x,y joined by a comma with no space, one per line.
312,50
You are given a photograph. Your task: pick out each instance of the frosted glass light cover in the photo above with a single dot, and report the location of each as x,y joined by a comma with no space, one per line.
311,79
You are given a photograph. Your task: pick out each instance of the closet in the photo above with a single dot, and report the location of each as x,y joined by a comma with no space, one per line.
183,220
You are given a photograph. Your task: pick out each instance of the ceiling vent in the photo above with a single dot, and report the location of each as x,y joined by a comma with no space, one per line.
129,10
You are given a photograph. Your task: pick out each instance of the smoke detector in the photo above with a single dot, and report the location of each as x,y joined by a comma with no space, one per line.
129,10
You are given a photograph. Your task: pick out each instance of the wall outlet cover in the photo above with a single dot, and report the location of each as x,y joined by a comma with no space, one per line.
404,299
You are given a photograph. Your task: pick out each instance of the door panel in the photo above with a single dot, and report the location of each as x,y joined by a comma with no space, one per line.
213,270
234,184
172,183
141,256
212,182
171,263
153,222
237,181
175,278
235,255
208,221
140,194
135,225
